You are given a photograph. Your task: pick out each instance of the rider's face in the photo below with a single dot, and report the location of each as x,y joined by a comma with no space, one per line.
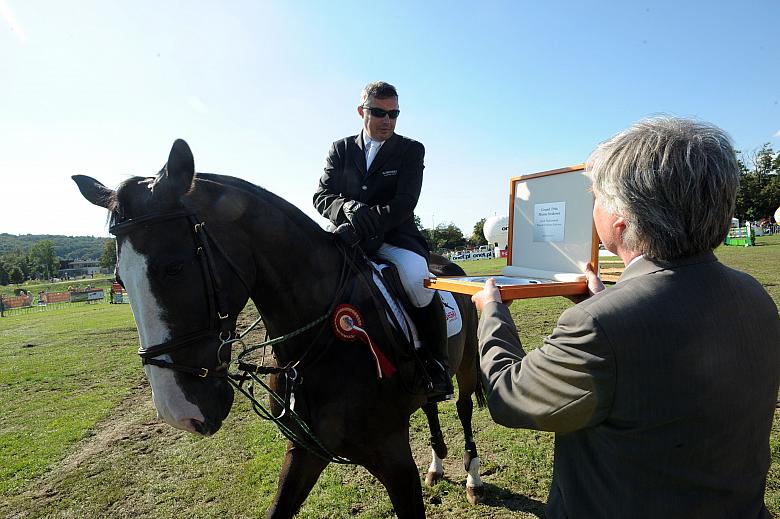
378,128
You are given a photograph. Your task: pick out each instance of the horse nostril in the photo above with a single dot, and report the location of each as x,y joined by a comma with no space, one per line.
199,427
205,428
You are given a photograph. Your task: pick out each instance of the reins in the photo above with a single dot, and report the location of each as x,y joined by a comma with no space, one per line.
297,430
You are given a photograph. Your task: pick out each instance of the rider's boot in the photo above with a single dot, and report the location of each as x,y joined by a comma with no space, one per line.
432,327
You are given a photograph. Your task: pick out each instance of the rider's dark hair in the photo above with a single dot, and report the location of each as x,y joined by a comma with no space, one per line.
378,90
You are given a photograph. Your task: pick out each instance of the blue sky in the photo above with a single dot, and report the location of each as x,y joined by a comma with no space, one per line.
260,90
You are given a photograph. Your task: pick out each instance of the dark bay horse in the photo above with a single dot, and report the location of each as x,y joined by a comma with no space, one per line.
193,248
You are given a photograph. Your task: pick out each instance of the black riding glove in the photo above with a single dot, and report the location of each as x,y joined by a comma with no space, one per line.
361,217
346,234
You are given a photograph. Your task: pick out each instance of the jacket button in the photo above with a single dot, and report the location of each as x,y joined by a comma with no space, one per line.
364,188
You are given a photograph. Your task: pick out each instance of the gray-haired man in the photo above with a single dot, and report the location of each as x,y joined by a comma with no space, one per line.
661,389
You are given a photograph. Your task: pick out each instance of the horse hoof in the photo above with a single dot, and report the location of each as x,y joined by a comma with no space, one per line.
475,495
431,478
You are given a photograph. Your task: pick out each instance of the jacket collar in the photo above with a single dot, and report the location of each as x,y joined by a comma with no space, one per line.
644,266
384,153
359,155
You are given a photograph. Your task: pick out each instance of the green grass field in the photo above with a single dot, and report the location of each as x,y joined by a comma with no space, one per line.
79,436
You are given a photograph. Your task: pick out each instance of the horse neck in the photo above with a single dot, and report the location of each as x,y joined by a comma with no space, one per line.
296,264
296,278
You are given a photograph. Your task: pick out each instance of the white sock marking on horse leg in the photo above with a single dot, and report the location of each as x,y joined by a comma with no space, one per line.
472,480
437,467
169,400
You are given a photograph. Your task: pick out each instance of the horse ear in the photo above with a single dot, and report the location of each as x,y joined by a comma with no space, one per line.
176,177
94,191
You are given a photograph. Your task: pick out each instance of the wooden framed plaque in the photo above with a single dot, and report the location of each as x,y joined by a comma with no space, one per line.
551,238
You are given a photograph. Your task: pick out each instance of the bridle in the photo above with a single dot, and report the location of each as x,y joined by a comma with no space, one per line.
219,328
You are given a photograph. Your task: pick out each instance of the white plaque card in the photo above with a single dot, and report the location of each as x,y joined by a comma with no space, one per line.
549,220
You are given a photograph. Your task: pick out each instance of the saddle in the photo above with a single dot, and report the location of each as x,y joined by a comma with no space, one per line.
399,308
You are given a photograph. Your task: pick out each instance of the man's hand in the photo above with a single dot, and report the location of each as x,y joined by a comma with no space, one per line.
362,218
488,294
594,285
346,234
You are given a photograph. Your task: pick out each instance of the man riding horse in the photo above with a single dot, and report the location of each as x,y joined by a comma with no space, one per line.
369,191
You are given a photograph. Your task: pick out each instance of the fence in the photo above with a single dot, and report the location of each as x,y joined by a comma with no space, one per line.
471,255
56,297
18,305
17,301
24,310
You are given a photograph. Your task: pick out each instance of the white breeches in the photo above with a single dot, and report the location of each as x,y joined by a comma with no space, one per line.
412,269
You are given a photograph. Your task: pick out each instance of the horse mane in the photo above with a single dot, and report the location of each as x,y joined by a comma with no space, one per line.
136,190
297,216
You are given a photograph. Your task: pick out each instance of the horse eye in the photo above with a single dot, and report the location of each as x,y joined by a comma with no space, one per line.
174,269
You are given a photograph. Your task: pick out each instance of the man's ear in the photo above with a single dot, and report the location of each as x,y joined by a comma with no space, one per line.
360,111
619,225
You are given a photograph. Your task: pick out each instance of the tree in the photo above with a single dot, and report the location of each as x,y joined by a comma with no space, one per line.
444,237
478,234
43,262
16,275
108,258
418,223
759,185
18,258
3,274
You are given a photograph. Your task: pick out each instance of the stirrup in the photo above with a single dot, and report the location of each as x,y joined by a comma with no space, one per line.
442,391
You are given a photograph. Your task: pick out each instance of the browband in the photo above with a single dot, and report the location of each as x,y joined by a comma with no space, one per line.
125,225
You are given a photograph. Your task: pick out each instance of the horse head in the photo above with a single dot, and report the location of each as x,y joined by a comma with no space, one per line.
185,289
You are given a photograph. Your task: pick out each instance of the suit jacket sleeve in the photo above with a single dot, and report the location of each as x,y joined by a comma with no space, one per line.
564,385
327,199
410,176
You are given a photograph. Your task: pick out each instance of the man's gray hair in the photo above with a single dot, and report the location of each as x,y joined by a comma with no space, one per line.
673,180
377,90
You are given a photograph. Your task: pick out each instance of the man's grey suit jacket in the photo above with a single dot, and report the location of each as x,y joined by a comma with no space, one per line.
661,390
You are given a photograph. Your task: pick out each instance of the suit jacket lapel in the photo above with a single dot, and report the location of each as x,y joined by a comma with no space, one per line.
385,152
359,154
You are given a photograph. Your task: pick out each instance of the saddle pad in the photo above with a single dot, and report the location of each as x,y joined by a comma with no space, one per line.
451,310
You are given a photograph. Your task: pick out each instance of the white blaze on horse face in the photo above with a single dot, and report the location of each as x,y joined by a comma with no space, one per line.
169,400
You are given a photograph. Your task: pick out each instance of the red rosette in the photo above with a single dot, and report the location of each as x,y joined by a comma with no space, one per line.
345,318
348,326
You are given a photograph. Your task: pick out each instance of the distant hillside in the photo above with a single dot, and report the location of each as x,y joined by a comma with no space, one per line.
65,247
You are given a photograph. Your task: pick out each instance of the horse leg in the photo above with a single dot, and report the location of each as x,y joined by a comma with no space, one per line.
394,467
300,471
438,446
467,385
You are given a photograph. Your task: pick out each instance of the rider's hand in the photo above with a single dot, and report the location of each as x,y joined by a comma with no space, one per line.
346,234
366,222
594,285
361,218
488,294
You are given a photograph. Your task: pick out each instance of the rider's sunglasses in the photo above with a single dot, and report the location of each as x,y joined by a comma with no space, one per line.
378,112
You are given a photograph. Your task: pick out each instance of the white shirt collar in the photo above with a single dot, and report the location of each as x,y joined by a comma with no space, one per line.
367,140
634,260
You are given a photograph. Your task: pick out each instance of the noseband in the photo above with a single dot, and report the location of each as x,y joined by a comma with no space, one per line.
219,327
